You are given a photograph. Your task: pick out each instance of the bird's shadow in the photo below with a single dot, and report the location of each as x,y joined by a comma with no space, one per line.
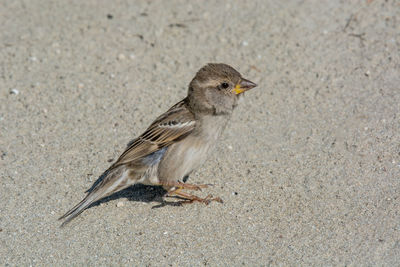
140,193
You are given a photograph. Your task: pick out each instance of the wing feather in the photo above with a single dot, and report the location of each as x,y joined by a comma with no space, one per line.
173,125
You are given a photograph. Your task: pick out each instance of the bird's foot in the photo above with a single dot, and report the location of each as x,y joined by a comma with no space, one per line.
205,200
189,198
176,190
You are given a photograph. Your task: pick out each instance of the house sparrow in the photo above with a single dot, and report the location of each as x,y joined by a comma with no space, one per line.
177,142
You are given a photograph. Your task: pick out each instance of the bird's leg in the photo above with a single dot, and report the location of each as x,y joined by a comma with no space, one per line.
180,185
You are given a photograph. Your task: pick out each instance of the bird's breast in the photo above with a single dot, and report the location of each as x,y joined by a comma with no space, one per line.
190,153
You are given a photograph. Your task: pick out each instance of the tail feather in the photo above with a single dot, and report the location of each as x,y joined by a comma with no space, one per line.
76,210
114,181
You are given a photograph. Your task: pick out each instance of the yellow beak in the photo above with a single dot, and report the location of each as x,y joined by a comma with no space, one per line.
238,90
243,86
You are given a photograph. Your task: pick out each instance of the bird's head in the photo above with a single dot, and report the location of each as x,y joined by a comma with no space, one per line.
216,88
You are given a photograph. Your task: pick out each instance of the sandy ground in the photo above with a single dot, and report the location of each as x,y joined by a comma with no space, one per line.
308,168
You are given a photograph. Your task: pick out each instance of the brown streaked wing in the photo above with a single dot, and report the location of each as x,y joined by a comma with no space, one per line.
171,126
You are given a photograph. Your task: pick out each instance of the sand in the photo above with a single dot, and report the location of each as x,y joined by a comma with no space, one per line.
308,167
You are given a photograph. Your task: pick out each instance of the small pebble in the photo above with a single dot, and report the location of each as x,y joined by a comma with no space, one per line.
14,91
120,204
80,85
245,43
230,147
121,57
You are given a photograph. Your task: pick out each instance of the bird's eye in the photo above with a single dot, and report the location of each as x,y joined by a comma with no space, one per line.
224,85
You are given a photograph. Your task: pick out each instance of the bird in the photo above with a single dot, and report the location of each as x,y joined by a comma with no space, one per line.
177,142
